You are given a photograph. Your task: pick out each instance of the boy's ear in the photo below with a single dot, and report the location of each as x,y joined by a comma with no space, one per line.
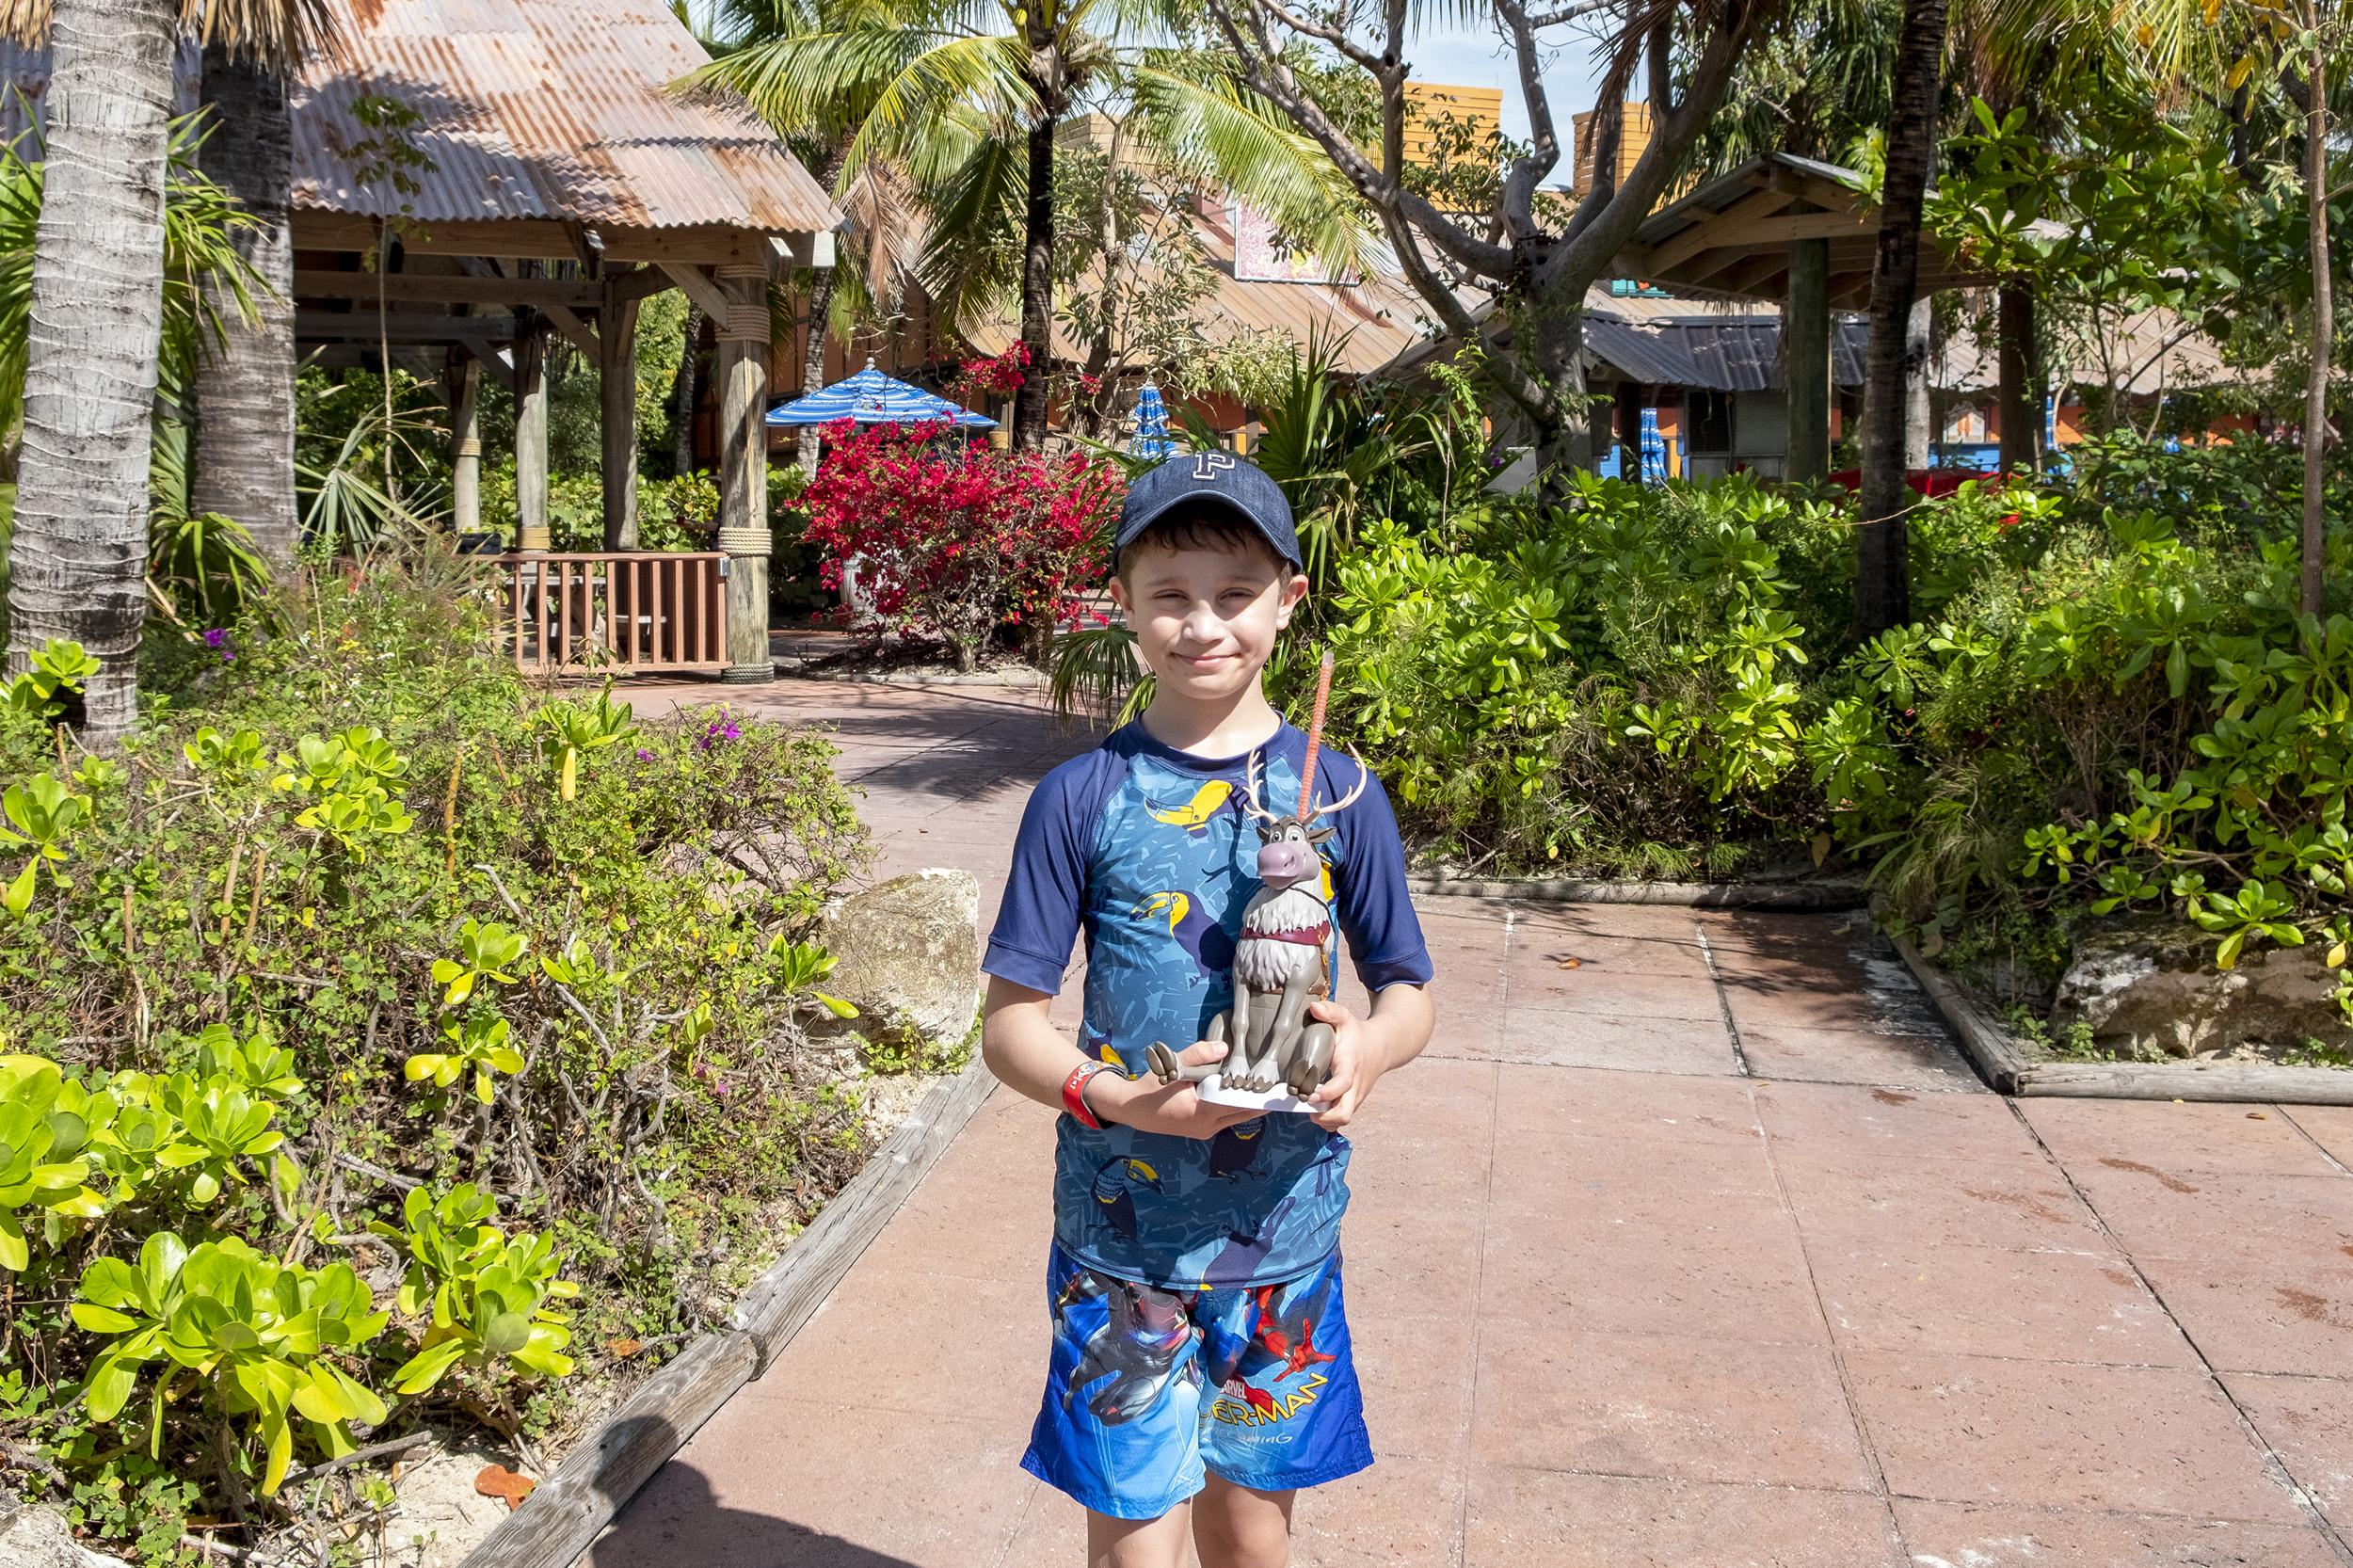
1293,591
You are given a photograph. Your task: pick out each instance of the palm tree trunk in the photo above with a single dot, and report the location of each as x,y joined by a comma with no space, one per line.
1882,590
2017,397
2324,331
813,364
1037,291
80,550
245,386
682,433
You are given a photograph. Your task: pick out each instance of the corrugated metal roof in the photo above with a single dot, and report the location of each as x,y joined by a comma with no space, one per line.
1694,346
547,109
2157,351
550,110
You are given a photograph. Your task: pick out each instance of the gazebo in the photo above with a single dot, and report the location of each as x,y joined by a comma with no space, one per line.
567,183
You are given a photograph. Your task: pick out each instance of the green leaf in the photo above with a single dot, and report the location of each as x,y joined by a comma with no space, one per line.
100,1320
13,1252
506,1333
424,1370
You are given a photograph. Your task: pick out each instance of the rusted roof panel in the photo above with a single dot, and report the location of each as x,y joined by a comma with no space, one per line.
549,109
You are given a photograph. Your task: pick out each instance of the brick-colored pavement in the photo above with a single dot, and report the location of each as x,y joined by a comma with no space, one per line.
1710,1250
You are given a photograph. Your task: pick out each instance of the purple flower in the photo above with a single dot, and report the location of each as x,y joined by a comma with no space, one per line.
216,639
644,756
722,728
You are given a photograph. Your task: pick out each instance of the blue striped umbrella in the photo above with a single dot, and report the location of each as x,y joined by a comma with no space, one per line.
1151,437
869,397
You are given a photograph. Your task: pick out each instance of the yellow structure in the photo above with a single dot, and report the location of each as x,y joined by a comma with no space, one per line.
1481,108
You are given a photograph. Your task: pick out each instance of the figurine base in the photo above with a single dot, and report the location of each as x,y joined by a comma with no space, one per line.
1277,1098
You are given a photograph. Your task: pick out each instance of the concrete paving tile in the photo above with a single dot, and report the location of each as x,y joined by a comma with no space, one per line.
1732,1282
1537,982
2242,1139
2329,1126
1579,1181
1519,1516
2039,1435
1686,1046
867,1339
2309,1423
1423,1137
1416,1372
2155,1212
1534,1102
820,1483
1402,1258
1052,1529
1403,1513
2033,1305
1947,1535
1611,938
1647,1404
2262,1314
1938,1202
1838,1126
1928,1063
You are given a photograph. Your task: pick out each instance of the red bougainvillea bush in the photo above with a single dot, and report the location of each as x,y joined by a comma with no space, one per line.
955,541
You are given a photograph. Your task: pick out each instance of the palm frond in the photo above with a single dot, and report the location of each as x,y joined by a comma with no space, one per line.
977,211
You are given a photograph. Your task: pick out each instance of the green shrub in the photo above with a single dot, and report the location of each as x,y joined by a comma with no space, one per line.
361,942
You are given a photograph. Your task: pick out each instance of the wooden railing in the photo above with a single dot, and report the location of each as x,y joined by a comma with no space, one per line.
585,613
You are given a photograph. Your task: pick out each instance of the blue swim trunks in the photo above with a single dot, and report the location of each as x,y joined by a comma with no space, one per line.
1151,1387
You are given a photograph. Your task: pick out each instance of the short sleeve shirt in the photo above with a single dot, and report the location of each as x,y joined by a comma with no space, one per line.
1149,854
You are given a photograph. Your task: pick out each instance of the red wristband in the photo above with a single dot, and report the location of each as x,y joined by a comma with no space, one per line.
1074,1093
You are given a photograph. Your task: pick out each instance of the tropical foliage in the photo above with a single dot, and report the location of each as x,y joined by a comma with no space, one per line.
387,1041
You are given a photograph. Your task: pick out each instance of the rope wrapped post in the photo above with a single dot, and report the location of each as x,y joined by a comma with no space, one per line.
1315,739
743,408
531,444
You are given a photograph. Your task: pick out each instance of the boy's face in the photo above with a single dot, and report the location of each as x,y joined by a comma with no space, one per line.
1205,621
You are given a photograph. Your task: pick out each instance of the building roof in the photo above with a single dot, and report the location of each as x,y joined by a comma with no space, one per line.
2153,353
1701,348
545,109
1730,238
1370,322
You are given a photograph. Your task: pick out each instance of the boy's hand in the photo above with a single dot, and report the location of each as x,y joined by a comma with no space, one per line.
1357,1064
1177,1109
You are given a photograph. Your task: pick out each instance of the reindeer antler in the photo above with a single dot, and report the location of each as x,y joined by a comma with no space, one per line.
1250,790
1363,776
1315,736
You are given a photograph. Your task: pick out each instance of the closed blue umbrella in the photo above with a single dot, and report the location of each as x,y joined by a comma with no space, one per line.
1653,449
1151,437
869,397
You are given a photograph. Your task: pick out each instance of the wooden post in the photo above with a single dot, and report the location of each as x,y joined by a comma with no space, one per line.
1807,321
1919,427
465,457
531,444
616,380
742,412
1628,419
2017,395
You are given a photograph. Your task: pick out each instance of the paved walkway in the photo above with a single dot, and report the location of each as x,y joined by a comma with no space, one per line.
1708,1251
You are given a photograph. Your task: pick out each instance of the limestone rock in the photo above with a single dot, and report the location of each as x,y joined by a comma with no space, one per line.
909,956
34,1536
2152,984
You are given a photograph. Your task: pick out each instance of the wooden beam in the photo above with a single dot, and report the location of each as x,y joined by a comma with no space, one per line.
497,359
581,335
1757,276
438,289
405,327
699,288
1674,252
1791,227
537,239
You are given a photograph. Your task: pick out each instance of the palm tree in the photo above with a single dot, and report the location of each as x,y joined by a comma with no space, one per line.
79,555
1882,590
970,115
245,388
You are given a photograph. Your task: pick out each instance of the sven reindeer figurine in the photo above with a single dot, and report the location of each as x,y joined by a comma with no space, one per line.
1285,951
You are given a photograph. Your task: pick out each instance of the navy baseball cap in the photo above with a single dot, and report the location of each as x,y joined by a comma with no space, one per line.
1219,477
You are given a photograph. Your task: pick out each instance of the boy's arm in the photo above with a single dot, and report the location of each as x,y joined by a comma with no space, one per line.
1363,1049
1031,1055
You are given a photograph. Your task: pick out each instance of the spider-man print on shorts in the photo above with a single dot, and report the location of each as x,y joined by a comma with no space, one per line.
1151,1387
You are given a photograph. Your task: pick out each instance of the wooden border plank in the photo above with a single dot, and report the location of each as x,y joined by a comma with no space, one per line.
1793,897
2011,1071
565,1513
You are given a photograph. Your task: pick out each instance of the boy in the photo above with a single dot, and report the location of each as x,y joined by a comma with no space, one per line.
1200,1371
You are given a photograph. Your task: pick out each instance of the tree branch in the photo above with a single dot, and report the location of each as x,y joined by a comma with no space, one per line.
1519,186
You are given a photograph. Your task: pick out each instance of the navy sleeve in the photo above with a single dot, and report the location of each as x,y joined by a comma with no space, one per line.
1371,903
1046,887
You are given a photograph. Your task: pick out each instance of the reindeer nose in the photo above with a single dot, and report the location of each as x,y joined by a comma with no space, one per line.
1285,860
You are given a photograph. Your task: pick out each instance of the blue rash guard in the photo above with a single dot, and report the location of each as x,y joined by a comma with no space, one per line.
1149,851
